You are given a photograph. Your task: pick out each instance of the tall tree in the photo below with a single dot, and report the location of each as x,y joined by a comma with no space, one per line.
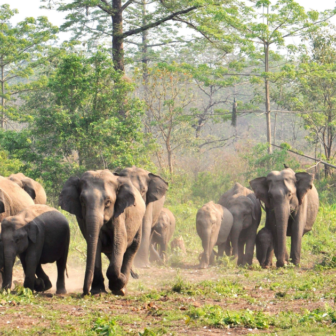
74,122
169,97
261,30
313,91
22,48
101,17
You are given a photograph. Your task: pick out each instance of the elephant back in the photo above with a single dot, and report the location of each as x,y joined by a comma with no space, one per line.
18,199
236,191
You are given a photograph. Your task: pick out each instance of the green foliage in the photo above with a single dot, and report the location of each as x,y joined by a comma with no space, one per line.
85,118
261,162
106,327
23,47
9,166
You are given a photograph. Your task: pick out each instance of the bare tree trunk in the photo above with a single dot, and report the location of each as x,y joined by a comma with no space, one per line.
117,38
2,97
268,101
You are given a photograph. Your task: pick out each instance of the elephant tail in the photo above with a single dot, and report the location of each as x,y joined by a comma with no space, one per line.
66,272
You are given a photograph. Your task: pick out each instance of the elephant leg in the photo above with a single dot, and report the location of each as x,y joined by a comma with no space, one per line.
250,234
228,249
129,255
98,285
39,287
142,257
241,251
269,257
117,280
61,266
30,269
296,241
221,249
235,233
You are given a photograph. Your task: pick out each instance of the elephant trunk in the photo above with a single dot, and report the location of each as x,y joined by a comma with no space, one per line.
281,216
93,224
9,257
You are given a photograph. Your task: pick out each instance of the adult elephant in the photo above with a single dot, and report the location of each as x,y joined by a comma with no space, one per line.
13,199
292,202
30,186
246,212
153,190
109,212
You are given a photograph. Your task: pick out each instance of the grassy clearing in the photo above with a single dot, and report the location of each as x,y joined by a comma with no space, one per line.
180,299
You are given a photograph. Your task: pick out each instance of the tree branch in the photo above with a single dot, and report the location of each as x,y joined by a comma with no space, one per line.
126,4
157,23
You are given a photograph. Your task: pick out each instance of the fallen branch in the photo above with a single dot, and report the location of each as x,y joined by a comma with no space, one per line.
306,156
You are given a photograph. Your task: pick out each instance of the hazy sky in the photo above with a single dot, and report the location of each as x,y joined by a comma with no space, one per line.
31,8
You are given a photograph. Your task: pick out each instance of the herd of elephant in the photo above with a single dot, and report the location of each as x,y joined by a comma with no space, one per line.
121,215
291,205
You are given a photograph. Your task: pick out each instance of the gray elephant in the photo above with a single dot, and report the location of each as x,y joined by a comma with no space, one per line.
162,232
13,199
32,187
153,190
264,247
246,212
109,212
213,224
38,235
292,204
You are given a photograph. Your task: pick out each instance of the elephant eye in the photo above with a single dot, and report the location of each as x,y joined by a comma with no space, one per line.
107,204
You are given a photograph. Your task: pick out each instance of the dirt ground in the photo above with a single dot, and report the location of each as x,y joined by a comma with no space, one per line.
140,310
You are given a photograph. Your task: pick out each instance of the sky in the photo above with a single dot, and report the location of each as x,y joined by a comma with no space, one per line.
32,8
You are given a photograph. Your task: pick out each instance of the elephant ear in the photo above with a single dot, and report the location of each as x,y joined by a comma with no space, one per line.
256,211
260,188
304,182
32,231
69,197
28,187
125,196
5,202
157,188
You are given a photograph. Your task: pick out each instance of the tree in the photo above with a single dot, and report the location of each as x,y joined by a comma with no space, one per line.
101,17
22,48
168,97
74,122
257,29
314,90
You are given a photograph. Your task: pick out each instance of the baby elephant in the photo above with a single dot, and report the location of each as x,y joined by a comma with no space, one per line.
213,224
162,232
38,235
264,243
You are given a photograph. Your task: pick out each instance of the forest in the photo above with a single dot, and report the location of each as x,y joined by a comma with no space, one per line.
204,95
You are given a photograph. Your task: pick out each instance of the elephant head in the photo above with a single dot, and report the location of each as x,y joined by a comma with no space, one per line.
95,198
243,211
283,193
15,238
31,187
151,187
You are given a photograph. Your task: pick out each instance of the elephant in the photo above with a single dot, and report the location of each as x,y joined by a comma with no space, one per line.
109,212
162,232
13,199
246,212
38,235
32,187
153,190
213,224
264,247
291,202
